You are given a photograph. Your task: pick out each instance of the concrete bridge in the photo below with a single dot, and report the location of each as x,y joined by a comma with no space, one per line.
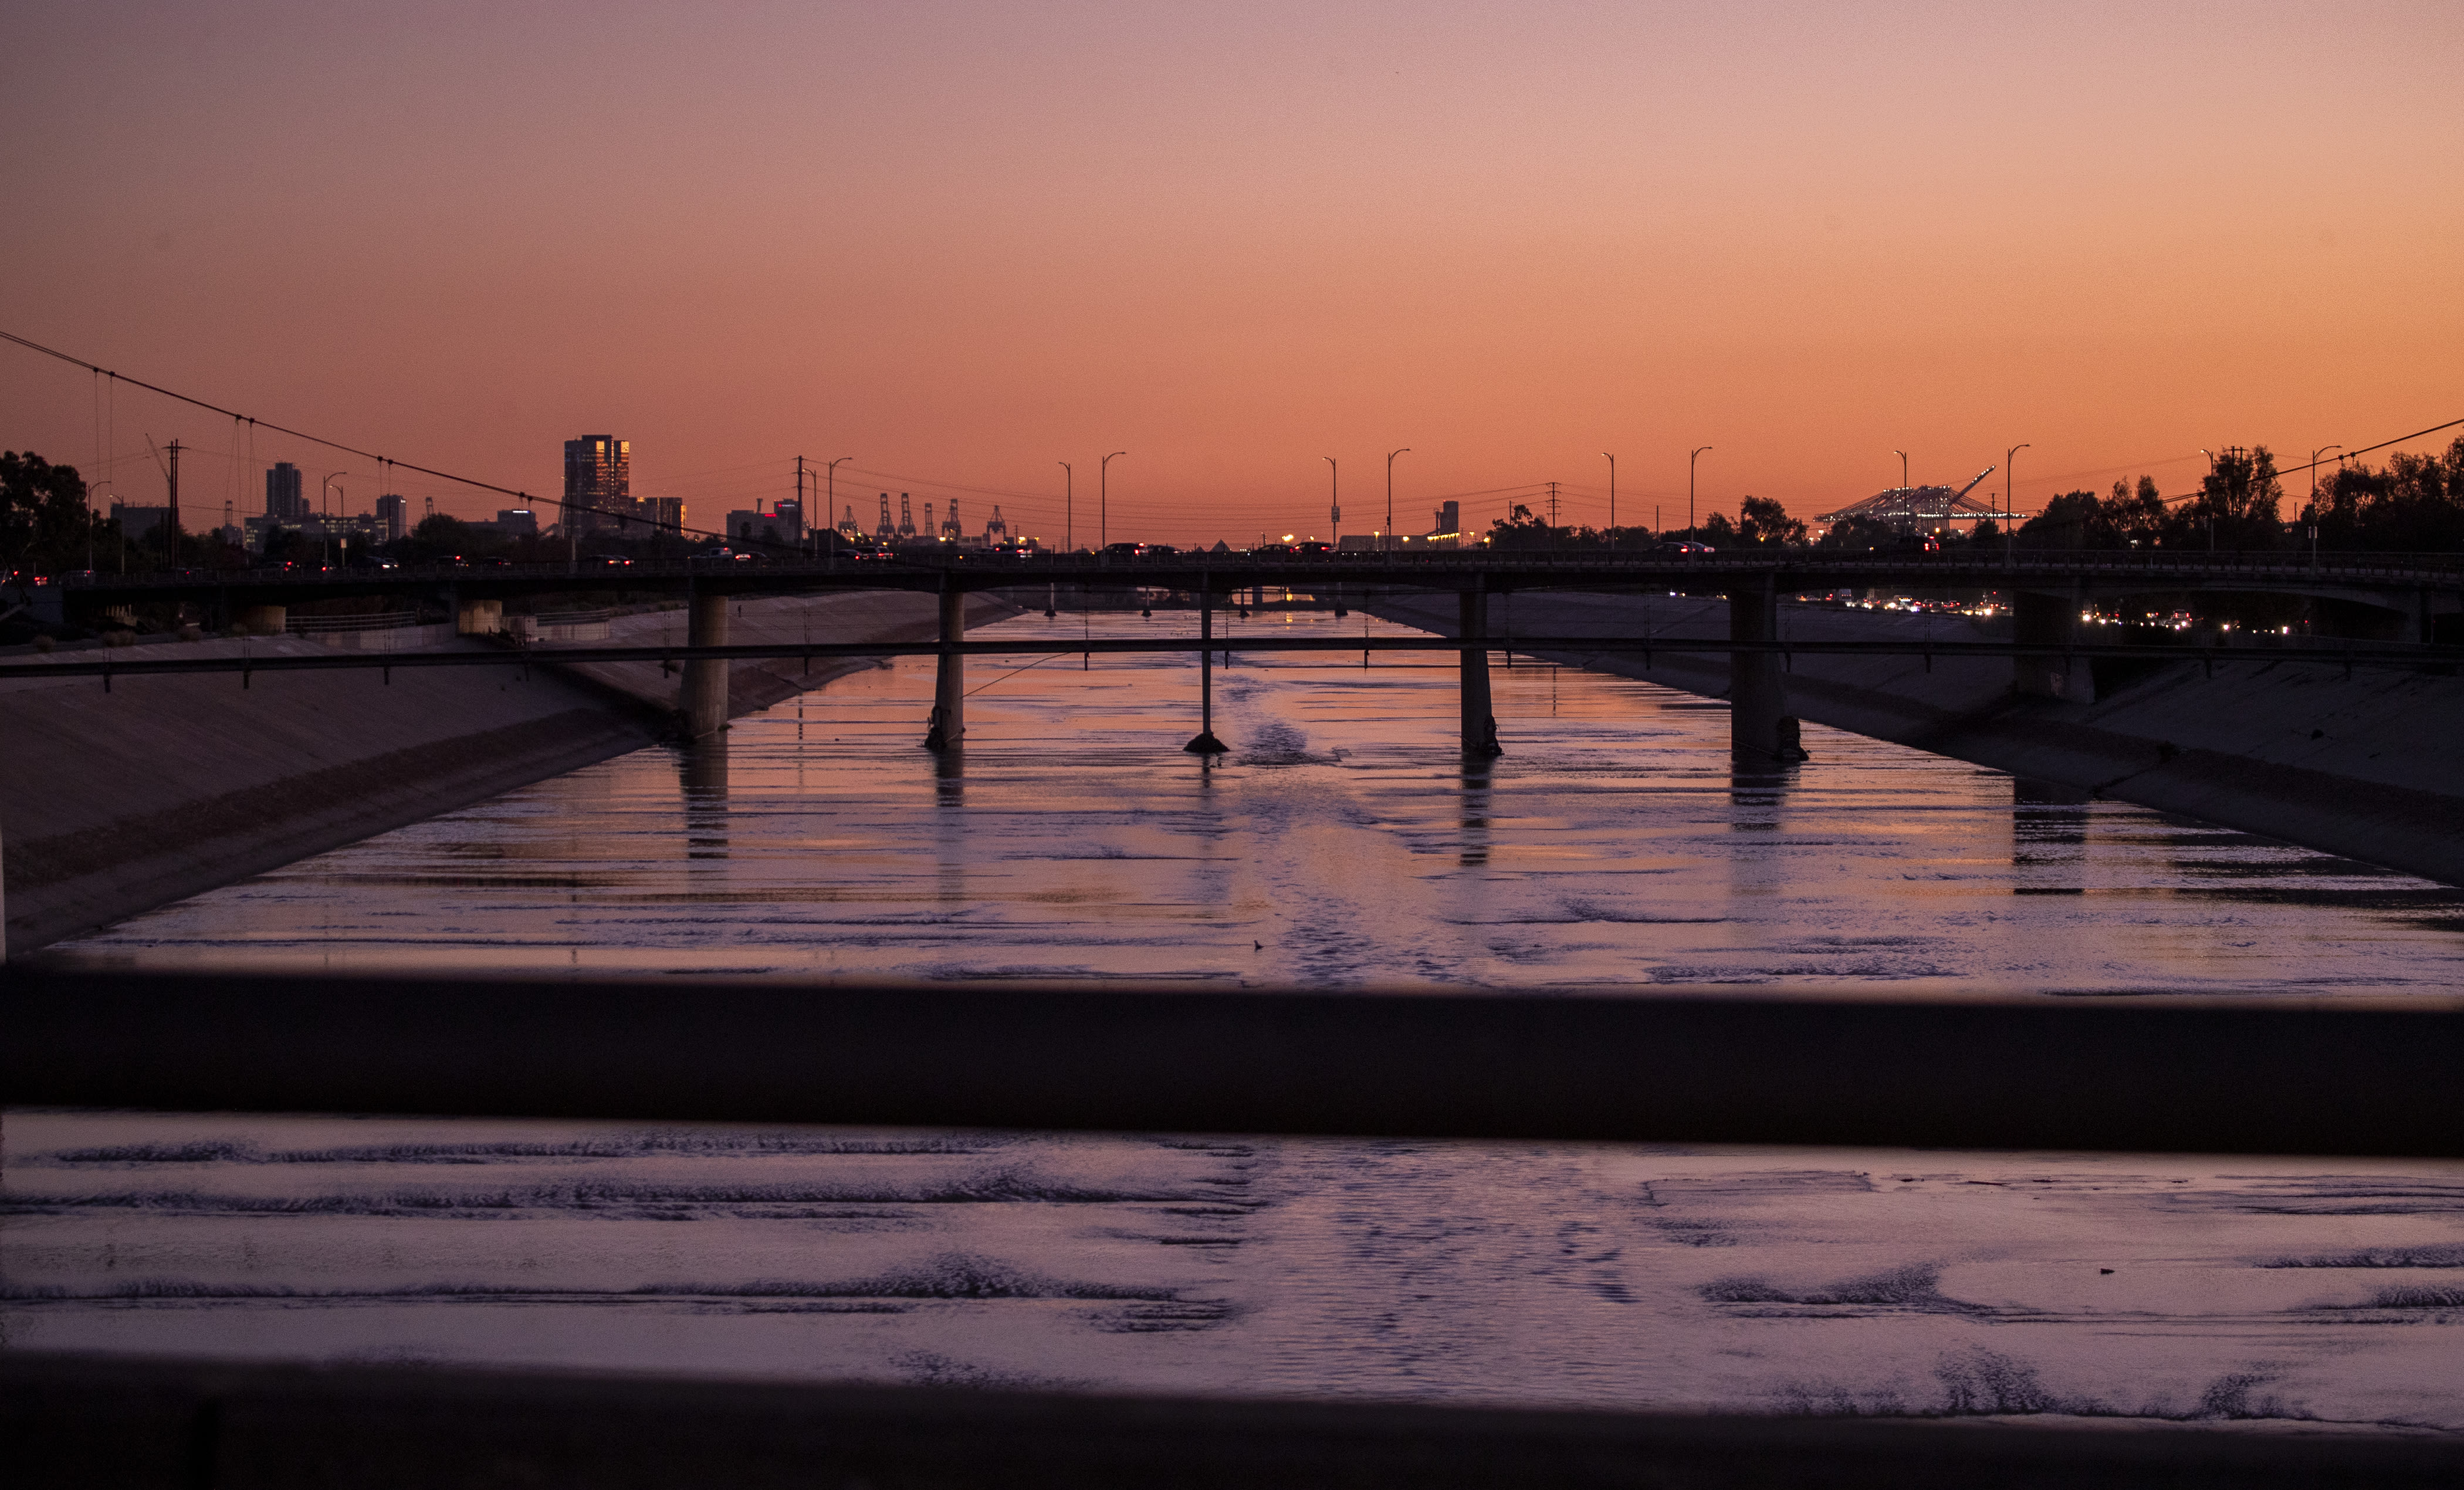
2049,591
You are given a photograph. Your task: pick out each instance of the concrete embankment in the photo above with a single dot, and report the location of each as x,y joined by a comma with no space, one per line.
864,615
114,801
2365,765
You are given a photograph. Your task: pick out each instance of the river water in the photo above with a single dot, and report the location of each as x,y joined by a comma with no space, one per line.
1343,843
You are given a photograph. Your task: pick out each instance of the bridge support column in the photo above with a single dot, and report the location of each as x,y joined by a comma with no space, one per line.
947,729
479,617
705,691
2050,621
1205,744
1478,722
1757,701
263,620
2420,620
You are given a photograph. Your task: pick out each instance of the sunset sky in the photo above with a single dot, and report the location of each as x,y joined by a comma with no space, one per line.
965,241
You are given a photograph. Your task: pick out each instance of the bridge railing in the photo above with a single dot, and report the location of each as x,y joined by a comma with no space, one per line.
1801,565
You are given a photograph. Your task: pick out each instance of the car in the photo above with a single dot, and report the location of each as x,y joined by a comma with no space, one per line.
1161,550
605,560
1311,548
1124,550
717,556
1683,547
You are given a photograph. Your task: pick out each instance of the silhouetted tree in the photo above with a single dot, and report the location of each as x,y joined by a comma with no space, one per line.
1765,523
44,523
2414,504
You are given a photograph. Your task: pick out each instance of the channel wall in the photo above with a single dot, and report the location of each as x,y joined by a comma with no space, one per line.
2365,762
114,801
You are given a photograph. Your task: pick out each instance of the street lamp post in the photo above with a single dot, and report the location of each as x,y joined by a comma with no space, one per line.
2010,460
1104,499
1334,497
2314,473
1612,460
325,512
1390,490
831,501
1068,508
1690,489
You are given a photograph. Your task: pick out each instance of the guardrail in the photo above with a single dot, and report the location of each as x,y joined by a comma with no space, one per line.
1810,565
102,664
2196,1075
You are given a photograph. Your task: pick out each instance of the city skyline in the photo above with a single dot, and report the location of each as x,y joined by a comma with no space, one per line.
1237,244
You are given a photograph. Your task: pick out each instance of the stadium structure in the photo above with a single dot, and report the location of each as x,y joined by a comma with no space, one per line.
1918,507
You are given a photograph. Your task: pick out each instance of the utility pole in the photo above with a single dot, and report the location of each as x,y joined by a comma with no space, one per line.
1612,460
1068,508
172,518
803,514
1334,500
1690,489
1552,506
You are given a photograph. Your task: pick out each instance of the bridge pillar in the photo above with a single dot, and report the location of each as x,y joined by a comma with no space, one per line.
947,729
2420,619
1205,743
1758,701
1479,723
2052,621
479,617
704,704
263,620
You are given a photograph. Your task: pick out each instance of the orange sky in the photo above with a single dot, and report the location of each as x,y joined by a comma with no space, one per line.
962,242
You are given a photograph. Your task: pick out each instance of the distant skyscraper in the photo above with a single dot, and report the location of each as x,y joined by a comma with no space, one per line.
598,483
393,517
283,501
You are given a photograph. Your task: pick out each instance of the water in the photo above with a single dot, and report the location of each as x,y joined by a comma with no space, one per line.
1343,843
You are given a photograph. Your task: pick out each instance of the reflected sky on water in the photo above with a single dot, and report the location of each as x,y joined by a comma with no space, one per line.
1344,841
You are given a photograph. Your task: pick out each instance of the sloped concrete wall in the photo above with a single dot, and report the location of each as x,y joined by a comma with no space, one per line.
114,802
2369,766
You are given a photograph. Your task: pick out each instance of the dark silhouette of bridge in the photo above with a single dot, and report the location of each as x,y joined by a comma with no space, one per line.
2049,591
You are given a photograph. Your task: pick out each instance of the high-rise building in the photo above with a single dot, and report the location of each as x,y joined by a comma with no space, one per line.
283,501
598,483
393,517
662,514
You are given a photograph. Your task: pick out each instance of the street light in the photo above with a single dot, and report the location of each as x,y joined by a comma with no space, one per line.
830,502
325,539
2314,473
2009,459
1334,497
1104,497
1068,508
1690,489
1612,499
1390,489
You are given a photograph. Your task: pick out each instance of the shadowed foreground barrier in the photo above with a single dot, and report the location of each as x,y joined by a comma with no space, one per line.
90,1422
2279,1075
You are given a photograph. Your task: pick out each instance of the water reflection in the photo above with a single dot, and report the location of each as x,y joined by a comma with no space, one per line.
1344,841
701,771
1478,774
2049,827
